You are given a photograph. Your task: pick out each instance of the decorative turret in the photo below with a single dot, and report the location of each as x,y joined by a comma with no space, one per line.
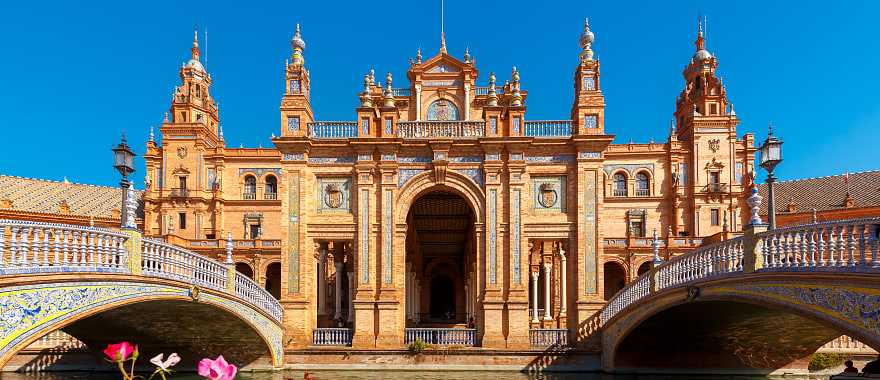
388,95
366,99
493,96
588,109
191,102
296,109
704,94
586,43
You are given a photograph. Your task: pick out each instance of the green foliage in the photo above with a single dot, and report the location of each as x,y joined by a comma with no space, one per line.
417,347
821,360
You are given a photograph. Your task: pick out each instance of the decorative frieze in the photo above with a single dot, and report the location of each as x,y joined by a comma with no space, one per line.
493,245
589,231
630,168
293,233
331,160
466,159
516,233
364,233
414,160
589,155
554,159
387,238
294,156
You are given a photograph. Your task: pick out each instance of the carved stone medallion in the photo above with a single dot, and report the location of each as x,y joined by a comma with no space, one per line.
181,151
549,196
333,196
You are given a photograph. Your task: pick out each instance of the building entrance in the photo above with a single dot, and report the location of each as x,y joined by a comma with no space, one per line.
440,261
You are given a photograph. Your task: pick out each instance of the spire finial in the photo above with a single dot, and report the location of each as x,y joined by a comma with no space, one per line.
195,47
419,55
298,45
700,42
467,54
587,38
442,32
152,137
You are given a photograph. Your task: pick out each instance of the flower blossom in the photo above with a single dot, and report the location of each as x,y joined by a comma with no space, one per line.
121,352
217,369
172,360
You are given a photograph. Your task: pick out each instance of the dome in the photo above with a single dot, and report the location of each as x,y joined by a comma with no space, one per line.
297,42
195,64
587,36
702,54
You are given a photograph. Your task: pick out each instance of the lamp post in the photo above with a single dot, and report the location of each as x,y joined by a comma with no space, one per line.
771,155
123,161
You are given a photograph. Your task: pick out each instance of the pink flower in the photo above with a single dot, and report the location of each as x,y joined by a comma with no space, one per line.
217,369
120,352
168,363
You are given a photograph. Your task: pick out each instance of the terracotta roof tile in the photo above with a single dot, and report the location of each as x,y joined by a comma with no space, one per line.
45,196
825,193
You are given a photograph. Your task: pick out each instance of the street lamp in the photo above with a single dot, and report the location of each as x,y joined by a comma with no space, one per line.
123,161
771,155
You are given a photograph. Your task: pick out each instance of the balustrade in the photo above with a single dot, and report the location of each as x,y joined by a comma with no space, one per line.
331,336
484,90
548,337
548,128
250,291
164,260
848,345
848,244
440,129
248,196
401,92
35,247
441,336
332,129
270,196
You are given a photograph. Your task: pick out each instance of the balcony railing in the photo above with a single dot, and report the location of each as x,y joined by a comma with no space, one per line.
332,129
331,336
548,128
441,129
248,195
548,337
619,192
643,192
716,187
401,91
442,336
484,90
179,193
270,196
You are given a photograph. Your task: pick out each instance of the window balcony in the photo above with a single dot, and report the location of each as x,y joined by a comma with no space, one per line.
441,129
249,196
619,192
442,336
270,196
643,192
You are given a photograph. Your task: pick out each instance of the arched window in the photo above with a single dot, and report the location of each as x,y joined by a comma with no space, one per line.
271,192
442,110
619,185
250,187
643,188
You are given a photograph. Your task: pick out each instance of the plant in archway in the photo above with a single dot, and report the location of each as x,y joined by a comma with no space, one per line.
417,347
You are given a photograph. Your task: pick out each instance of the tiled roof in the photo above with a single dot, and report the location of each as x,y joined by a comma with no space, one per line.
44,196
825,193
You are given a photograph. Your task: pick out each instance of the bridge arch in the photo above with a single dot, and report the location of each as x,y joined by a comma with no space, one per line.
750,322
105,309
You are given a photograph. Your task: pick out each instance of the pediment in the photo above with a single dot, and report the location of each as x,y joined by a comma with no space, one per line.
444,64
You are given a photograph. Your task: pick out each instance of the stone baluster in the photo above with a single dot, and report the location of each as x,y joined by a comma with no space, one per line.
850,246
811,247
874,243
547,273
822,247
91,246
338,295
863,231
56,247
23,246
45,247
841,245
535,297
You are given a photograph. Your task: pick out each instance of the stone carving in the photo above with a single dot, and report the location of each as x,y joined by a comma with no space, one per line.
181,151
714,145
333,196
548,195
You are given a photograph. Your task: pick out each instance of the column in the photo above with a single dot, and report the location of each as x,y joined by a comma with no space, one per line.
418,102
563,271
340,266
547,268
322,278
350,296
535,297
467,101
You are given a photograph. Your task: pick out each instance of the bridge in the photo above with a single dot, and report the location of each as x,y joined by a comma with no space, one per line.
103,286
754,303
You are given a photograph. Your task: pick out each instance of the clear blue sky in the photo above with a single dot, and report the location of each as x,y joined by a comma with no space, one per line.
74,76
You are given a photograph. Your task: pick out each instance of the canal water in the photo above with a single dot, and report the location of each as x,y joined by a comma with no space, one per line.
395,375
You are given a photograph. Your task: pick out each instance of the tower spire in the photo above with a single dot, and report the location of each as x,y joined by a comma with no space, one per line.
442,34
195,47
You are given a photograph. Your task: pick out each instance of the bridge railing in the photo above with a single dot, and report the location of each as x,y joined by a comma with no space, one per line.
846,245
36,247
851,244
164,260
250,291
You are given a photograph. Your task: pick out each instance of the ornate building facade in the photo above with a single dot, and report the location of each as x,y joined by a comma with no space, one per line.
441,204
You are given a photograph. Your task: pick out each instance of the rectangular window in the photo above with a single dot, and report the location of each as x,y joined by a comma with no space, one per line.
293,123
514,128
182,180
590,121
493,125
210,236
713,109
714,177
181,220
365,126
683,173
637,229
713,214
294,86
255,231
389,128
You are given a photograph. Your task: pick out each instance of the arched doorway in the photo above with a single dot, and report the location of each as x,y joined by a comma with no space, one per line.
615,279
644,268
245,270
440,260
273,280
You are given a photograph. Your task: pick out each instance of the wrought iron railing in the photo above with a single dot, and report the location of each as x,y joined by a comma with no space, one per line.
441,129
548,128
331,336
36,247
442,336
548,337
333,129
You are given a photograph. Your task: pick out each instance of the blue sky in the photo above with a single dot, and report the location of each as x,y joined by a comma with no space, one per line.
73,76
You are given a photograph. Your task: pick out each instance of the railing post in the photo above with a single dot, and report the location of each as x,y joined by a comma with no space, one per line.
133,250
230,265
753,259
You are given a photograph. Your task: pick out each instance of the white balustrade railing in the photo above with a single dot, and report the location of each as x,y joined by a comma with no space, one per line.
441,336
845,244
548,128
332,129
548,337
161,259
441,129
848,345
36,247
331,336
484,90
250,291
